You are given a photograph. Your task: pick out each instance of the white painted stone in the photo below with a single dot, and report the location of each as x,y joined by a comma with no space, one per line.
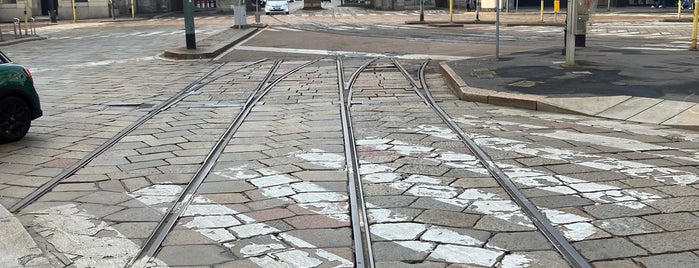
565,190
397,231
422,179
578,231
373,141
466,255
208,209
454,201
237,173
559,217
297,258
456,157
591,187
259,249
325,208
374,168
381,177
318,157
515,260
446,236
272,180
277,191
305,186
440,132
254,229
385,215
477,194
218,235
437,191
411,149
73,232
319,197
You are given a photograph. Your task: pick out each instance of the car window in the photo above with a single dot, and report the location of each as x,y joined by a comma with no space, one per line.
3,58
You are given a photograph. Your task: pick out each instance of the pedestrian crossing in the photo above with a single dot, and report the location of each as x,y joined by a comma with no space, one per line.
117,35
339,27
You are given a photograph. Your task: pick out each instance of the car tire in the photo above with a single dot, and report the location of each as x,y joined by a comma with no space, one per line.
15,119
287,13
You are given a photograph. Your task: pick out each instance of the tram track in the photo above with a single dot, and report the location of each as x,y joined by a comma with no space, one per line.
361,220
193,87
420,87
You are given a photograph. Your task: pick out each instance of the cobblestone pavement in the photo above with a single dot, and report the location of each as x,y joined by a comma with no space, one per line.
624,194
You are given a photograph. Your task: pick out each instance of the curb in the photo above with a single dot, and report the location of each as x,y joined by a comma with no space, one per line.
20,40
212,46
602,107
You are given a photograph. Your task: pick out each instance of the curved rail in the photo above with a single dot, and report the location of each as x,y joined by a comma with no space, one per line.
555,238
363,253
196,85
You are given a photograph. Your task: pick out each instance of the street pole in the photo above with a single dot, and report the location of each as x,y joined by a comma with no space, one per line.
75,16
497,29
451,14
422,10
189,24
694,25
26,17
133,9
571,20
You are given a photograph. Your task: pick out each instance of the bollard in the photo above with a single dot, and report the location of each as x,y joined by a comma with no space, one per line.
32,25
17,26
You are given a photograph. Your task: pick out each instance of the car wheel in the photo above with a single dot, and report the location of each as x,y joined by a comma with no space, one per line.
287,13
15,119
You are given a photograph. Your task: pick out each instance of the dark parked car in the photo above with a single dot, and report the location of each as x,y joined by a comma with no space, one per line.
19,103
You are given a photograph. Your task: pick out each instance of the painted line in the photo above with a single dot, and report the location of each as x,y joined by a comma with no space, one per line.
348,53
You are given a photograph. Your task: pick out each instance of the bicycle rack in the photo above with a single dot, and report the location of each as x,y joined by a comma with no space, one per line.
32,26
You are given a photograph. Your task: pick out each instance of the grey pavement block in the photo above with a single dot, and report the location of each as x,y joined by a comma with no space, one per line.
675,221
448,218
341,237
685,118
29,181
321,175
418,162
627,263
608,249
539,161
136,229
390,201
627,226
149,157
142,165
570,169
62,196
668,241
423,170
107,198
458,236
185,237
677,204
265,244
400,264
192,255
431,203
170,178
135,215
678,190
225,187
100,211
86,178
609,211
158,149
270,203
559,201
519,241
491,223
394,251
382,189
676,260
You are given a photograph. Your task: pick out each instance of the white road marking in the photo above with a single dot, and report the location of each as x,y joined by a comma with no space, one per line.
347,53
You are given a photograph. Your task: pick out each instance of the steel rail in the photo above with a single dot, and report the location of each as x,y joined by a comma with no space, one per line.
353,79
363,253
186,198
49,185
555,238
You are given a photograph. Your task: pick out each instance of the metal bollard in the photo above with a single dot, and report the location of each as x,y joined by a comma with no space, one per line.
32,25
17,26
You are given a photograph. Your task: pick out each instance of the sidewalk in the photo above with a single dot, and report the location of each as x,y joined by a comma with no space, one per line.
648,86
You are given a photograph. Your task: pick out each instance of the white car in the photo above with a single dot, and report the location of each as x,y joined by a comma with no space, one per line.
276,6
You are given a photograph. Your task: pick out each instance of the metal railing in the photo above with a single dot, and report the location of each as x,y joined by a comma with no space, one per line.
29,29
